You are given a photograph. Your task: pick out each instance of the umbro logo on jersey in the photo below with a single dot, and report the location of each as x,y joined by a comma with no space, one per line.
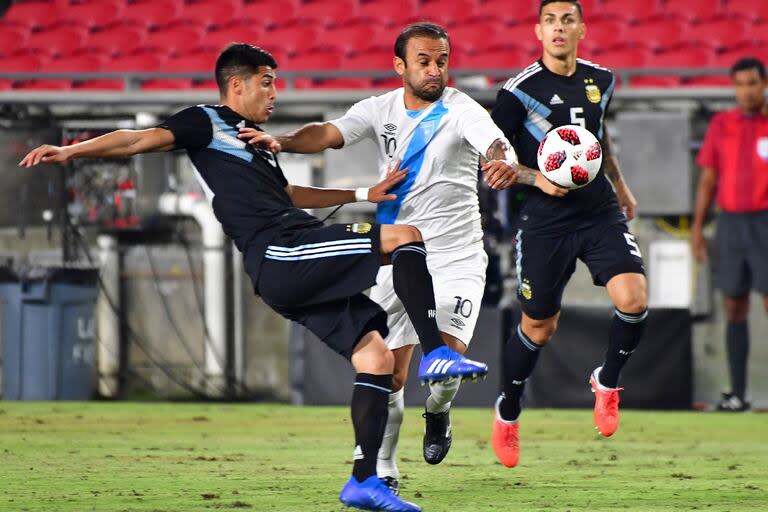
555,100
457,323
390,127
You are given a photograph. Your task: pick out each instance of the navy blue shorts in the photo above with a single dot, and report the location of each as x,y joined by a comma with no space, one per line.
741,253
316,277
545,264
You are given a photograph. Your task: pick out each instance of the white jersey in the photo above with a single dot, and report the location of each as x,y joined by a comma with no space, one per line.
440,146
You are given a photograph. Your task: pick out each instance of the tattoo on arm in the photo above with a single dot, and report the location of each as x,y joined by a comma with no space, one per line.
526,175
611,163
497,150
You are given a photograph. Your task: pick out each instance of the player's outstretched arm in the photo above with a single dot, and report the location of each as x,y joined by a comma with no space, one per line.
310,138
117,144
313,197
502,170
626,199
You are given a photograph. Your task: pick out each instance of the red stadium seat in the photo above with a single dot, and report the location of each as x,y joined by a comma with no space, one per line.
655,81
324,59
623,58
43,85
371,59
748,9
22,63
236,33
205,84
213,12
693,10
32,15
476,36
63,39
718,34
199,61
342,83
350,38
92,14
446,12
387,83
176,40
326,12
6,85
100,85
264,15
504,11
152,13
120,39
135,62
500,57
628,10
658,33
292,38
82,63
388,12
725,60
602,35
758,33
521,35
12,39
165,84
684,57
707,81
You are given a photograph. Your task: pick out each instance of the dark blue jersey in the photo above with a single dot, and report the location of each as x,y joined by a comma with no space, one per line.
246,184
527,108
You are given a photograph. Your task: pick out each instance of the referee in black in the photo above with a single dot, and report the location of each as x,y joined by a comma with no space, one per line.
308,272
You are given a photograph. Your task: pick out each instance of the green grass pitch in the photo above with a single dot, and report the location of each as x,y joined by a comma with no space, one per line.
184,457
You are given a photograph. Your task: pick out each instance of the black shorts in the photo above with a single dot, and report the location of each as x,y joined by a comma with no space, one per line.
316,277
741,253
544,265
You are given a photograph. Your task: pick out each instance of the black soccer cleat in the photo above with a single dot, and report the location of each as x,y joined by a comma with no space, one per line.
733,403
437,436
393,483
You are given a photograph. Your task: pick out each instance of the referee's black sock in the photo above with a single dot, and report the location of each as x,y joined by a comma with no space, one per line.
413,285
737,343
519,357
370,402
626,330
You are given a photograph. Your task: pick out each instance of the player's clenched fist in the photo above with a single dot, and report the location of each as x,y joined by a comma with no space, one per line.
45,153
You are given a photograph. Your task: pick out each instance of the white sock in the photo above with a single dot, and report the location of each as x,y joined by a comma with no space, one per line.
441,394
386,463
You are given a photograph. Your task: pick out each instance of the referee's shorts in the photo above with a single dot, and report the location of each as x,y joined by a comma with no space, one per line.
317,277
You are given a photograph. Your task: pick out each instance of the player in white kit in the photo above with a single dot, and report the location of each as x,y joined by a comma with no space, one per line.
439,134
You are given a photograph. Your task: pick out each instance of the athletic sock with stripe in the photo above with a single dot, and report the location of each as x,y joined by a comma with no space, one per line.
413,285
370,399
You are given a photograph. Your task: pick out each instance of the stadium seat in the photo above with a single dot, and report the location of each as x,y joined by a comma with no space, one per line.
655,81
504,11
165,84
82,63
446,12
707,81
292,38
500,57
122,39
139,61
627,10
152,13
204,61
719,33
22,62
623,58
758,33
475,36
63,39
521,35
683,57
265,15
395,12
100,84
325,13
92,14
211,12
657,33
342,83
319,59
351,37
43,85
205,84
32,15
755,10
6,85
222,36
693,10
724,60
12,39
602,35
371,59
387,83
176,40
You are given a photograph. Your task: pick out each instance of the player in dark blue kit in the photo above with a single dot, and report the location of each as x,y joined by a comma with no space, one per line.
554,231
308,272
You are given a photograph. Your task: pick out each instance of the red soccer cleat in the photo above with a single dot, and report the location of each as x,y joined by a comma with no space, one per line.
505,439
606,405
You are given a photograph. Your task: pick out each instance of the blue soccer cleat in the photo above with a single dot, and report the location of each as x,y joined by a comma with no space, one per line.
446,364
373,494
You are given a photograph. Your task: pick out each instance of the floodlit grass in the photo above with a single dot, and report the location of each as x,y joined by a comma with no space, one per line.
161,457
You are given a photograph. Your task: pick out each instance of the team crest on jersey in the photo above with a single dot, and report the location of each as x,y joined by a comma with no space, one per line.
526,290
593,94
361,228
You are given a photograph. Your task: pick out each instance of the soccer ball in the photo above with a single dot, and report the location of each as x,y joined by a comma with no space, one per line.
570,156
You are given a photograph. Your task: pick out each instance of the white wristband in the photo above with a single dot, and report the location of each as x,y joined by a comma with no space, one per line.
361,194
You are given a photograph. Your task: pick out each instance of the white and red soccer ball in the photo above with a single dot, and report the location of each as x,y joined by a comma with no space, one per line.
570,156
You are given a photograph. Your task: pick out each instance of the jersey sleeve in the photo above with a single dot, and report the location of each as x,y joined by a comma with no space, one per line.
191,128
357,123
478,128
707,156
509,114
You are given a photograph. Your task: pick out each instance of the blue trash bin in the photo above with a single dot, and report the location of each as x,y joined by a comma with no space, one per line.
48,331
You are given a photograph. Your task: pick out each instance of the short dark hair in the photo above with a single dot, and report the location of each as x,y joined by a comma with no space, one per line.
746,63
421,29
240,59
574,2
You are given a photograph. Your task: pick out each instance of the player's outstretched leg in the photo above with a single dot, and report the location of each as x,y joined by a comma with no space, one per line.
606,405
437,420
445,364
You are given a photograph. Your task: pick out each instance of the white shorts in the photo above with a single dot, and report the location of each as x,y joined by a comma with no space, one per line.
459,282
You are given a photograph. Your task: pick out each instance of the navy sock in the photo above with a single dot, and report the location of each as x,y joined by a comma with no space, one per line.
413,286
737,343
626,331
370,402
519,356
